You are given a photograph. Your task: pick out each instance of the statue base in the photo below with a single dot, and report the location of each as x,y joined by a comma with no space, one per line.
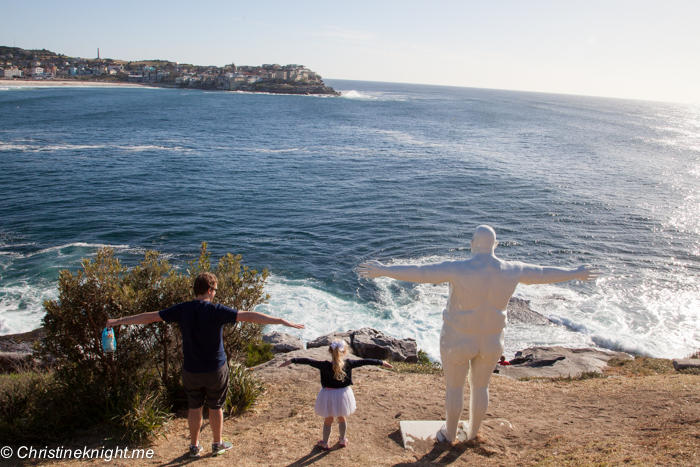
428,429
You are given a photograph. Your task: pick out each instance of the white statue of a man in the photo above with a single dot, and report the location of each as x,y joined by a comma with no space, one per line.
473,330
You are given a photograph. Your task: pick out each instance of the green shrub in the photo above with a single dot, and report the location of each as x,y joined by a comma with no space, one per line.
243,390
146,419
258,353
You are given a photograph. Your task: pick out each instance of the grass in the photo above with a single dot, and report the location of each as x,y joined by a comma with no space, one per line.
640,366
567,379
424,366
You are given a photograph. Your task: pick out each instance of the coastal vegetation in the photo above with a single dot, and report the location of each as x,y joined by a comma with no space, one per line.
133,392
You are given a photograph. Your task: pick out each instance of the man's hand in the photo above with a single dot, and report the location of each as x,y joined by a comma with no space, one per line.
289,324
286,363
112,323
587,273
386,365
370,269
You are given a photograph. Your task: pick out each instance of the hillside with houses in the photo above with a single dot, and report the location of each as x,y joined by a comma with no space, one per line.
17,63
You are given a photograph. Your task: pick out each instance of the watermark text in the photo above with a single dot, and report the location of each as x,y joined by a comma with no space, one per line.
106,454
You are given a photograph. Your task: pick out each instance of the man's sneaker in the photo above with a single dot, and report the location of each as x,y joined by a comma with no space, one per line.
195,451
219,448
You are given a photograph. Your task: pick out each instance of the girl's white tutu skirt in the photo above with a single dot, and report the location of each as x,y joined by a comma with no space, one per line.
335,402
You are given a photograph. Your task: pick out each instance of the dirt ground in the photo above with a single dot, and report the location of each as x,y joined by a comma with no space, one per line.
649,420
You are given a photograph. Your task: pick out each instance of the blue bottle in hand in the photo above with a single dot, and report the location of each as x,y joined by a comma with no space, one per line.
109,343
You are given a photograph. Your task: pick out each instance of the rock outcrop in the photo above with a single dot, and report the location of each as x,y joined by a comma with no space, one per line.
283,343
370,343
686,363
17,350
557,362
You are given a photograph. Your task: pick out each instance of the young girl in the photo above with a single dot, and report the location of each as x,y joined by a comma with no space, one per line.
335,399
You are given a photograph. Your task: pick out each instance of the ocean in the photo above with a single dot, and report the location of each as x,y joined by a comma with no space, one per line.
309,186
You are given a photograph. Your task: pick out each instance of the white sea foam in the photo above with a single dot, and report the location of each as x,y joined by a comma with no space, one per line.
356,95
21,306
26,147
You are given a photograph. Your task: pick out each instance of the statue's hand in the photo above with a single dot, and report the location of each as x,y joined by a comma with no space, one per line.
370,269
587,273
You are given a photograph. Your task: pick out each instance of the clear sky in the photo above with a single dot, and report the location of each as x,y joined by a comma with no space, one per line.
632,49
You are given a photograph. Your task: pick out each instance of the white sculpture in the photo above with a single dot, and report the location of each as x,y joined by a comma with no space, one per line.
473,330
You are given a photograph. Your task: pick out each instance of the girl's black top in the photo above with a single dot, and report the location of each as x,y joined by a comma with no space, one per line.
328,376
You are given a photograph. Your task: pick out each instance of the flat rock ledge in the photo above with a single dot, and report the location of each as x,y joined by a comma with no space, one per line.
686,363
370,343
557,362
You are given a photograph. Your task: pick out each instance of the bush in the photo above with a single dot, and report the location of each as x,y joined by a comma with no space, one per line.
146,418
132,390
258,353
243,390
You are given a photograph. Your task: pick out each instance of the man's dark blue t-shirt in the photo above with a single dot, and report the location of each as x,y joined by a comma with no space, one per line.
202,326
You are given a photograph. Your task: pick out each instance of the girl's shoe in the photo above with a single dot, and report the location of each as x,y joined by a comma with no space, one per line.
343,442
323,445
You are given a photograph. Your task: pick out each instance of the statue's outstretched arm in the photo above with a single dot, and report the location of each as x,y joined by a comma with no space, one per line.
532,274
436,273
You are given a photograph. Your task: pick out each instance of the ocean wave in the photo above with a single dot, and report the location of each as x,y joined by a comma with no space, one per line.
38,147
356,95
21,306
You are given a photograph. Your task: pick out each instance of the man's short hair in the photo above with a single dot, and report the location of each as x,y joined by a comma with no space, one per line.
204,282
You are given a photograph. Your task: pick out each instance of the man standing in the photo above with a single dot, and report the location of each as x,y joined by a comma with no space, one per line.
474,320
205,371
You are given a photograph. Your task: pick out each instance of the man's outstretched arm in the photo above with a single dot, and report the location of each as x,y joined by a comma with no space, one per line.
143,318
548,275
436,273
262,318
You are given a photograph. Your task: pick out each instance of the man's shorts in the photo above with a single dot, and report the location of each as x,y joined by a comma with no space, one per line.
213,386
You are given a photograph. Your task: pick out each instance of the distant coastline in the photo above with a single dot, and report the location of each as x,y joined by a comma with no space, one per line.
31,67
270,89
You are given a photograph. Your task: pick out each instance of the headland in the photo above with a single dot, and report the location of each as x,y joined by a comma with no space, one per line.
35,67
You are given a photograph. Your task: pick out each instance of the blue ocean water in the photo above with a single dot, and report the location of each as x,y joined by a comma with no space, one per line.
310,186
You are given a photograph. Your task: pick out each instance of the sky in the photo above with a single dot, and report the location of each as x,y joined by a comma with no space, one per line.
639,49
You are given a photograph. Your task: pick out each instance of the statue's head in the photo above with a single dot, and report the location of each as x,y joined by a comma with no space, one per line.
484,240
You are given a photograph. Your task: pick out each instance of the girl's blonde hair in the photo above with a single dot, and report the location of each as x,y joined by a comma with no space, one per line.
338,351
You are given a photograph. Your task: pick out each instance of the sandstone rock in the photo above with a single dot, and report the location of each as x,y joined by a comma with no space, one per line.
282,343
325,341
370,343
685,363
555,362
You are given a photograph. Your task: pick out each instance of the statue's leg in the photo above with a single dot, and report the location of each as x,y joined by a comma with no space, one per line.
480,371
455,378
